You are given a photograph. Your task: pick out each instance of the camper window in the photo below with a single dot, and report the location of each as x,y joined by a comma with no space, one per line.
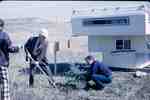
124,20
119,44
127,44
123,44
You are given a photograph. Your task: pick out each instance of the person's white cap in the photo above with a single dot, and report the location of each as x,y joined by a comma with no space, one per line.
44,32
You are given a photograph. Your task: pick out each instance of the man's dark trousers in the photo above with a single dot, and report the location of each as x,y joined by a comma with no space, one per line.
100,80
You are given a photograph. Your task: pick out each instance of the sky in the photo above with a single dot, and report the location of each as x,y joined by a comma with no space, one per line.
54,9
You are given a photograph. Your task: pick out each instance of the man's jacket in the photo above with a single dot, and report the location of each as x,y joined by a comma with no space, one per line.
6,48
99,68
37,47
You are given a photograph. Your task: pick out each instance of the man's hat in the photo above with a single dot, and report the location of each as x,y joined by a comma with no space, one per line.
44,32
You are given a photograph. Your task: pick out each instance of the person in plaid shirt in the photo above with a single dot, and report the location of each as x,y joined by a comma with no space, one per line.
5,48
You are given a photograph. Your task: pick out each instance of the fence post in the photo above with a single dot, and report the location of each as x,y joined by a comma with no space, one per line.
56,48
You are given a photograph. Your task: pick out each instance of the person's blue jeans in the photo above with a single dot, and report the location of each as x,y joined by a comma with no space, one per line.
100,80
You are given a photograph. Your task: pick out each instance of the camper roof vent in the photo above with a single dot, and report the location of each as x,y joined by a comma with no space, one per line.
117,8
110,9
141,7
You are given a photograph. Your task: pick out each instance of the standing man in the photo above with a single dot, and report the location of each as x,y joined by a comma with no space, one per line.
99,73
37,47
5,48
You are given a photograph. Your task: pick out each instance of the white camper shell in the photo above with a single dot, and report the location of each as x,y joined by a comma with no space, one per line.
121,34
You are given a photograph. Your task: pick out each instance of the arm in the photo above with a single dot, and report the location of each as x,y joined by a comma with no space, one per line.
11,49
26,46
26,53
42,54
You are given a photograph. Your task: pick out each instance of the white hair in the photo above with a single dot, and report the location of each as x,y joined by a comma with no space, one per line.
44,32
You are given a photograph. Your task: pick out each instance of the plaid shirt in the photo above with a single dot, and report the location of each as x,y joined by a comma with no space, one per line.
4,83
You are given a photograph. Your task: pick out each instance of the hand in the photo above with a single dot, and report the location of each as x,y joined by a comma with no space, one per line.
36,62
13,49
20,46
91,82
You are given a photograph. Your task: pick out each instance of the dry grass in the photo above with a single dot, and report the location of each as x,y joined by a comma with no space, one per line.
123,87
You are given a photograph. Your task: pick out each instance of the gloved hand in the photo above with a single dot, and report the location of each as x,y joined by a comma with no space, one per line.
20,46
36,62
91,82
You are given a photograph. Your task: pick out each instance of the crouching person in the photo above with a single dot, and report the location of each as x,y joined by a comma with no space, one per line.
36,47
5,48
99,73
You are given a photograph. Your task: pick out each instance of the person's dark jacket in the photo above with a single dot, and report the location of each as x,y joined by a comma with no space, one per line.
6,48
37,47
99,68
